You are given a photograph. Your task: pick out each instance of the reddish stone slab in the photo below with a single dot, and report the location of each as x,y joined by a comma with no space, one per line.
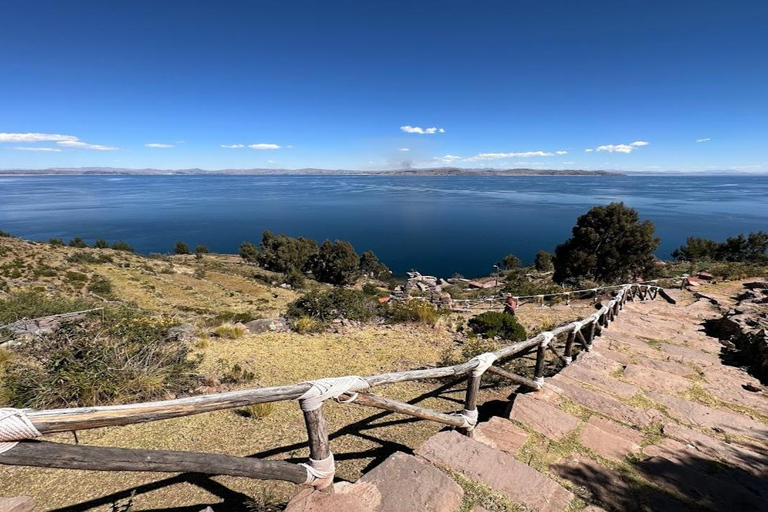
346,497
500,471
17,504
631,435
606,444
408,483
682,354
604,404
718,419
502,434
542,417
600,381
656,380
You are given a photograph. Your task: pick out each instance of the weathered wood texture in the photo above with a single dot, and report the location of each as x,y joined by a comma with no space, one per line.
68,456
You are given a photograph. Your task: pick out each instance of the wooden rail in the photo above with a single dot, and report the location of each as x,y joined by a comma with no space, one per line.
45,454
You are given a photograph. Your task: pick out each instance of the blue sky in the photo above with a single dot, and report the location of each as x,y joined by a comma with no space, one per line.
338,84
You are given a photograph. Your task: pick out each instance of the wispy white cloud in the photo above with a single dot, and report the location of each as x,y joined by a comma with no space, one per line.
67,141
35,137
589,150
707,139
55,150
159,145
233,146
622,148
422,131
447,159
264,145
561,152
78,144
404,149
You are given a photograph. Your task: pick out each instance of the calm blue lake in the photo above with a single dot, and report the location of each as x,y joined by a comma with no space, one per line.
437,225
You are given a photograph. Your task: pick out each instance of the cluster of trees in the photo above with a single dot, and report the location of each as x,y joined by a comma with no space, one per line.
79,243
183,248
748,249
542,262
332,262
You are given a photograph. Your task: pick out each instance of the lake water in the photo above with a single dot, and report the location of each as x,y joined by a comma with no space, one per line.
437,225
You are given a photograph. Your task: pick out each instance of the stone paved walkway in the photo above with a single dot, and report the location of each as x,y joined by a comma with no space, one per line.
649,420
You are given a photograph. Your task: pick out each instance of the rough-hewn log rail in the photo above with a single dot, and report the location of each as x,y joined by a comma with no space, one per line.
45,454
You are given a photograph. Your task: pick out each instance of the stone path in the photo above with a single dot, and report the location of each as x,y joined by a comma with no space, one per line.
648,420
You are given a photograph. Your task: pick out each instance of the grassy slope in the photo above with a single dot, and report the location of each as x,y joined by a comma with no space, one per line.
175,285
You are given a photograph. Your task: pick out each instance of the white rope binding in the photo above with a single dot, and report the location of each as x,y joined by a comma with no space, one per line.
548,337
334,387
470,419
15,426
320,472
484,361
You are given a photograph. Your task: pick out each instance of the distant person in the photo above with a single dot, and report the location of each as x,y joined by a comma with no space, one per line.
510,306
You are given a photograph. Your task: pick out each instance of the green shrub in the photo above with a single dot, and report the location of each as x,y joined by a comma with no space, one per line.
371,266
57,242
543,261
78,242
295,278
75,278
249,252
414,311
87,257
122,246
100,244
281,253
230,317
181,248
336,303
33,304
511,262
336,263
370,289
118,356
201,249
3,234
492,323
100,285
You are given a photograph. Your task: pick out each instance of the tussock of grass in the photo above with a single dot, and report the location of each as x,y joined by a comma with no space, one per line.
307,325
230,331
641,401
477,494
256,411
653,342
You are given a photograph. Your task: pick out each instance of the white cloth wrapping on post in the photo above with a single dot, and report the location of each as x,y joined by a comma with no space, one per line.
15,426
334,387
320,472
548,337
470,418
576,326
484,361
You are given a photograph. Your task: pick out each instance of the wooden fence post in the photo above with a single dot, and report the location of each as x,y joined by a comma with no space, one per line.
538,374
470,400
319,445
568,350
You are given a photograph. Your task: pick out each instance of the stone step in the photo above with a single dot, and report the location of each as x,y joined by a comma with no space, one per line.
602,403
402,483
544,418
501,434
709,492
600,381
608,439
718,419
500,471
656,380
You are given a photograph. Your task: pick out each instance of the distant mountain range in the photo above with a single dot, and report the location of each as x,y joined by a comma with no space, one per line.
439,171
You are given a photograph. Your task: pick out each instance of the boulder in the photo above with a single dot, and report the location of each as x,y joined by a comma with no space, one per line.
268,325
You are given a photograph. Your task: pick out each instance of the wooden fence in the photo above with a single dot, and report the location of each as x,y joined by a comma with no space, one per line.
21,449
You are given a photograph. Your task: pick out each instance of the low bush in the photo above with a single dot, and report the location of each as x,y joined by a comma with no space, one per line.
256,411
231,317
87,257
122,246
181,248
492,324
117,356
295,278
201,249
100,285
336,303
370,289
3,234
57,242
418,311
101,244
78,242
33,304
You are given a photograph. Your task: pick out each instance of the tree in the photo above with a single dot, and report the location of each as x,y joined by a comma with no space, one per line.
56,242
201,249
371,266
543,261
608,244
696,249
100,244
282,253
249,252
78,242
336,263
181,248
511,262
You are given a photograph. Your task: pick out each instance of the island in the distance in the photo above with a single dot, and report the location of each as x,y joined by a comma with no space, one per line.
438,171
